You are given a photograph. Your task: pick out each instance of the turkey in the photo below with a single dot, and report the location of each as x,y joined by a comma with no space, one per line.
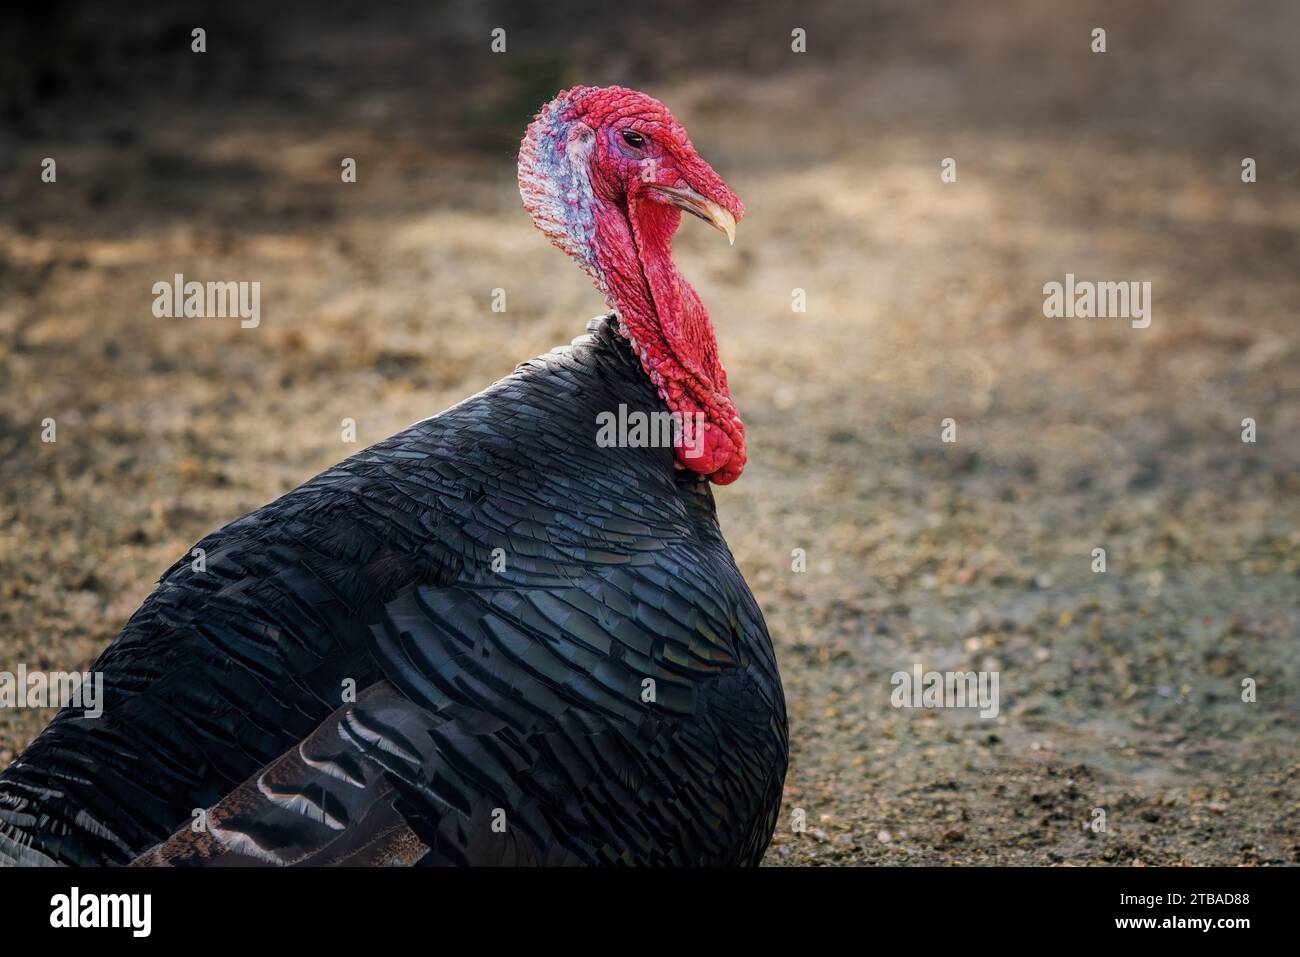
494,638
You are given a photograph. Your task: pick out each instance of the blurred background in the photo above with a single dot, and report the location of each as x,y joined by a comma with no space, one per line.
1119,691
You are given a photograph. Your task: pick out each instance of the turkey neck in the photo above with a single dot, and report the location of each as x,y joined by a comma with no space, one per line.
669,329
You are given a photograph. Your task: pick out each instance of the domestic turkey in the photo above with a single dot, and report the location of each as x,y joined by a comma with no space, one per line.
489,639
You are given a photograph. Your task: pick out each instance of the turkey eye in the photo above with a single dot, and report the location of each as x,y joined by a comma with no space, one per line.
633,139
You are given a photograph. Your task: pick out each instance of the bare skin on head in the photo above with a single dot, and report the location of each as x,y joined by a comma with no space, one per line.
606,174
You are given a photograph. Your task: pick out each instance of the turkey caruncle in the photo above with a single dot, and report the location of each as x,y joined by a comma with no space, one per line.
608,695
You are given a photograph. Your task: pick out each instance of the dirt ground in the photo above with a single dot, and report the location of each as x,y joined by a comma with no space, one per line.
1120,691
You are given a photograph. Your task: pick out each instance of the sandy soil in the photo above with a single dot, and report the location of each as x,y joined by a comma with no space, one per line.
1119,691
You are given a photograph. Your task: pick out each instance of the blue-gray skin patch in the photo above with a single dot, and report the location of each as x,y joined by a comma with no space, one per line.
555,184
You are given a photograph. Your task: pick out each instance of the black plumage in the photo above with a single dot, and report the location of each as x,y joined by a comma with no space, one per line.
501,716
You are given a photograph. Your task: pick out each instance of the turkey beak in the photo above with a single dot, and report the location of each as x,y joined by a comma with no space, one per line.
699,205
